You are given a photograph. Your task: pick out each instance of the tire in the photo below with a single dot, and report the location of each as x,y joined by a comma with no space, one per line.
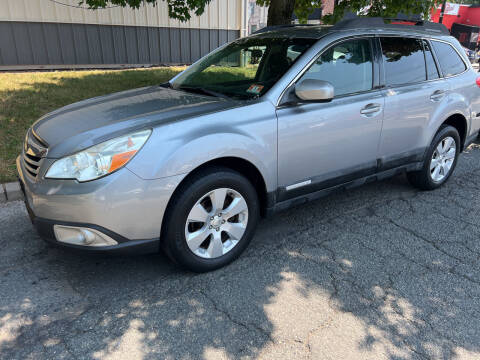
425,178
195,200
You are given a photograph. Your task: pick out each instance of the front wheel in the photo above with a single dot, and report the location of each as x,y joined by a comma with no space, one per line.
440,160
211,219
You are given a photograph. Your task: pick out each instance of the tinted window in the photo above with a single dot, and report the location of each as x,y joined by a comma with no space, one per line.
404,60
347,66
432,71
449,60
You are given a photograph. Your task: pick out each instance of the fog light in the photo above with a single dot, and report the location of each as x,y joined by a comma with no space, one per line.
82,236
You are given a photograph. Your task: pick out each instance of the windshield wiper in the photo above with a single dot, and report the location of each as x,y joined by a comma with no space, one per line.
203,91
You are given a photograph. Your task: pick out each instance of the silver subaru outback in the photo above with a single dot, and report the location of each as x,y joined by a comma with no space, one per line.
273,120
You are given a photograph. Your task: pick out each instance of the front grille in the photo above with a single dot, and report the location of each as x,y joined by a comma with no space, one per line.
34,150
31,164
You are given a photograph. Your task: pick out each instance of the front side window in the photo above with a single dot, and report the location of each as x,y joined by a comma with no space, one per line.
246,68
348,66
450,62
404,60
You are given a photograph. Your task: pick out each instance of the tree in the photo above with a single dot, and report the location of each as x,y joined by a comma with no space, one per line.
177,9
280,11
442,11
381,8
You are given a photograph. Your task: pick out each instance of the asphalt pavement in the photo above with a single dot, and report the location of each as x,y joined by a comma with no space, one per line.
379,272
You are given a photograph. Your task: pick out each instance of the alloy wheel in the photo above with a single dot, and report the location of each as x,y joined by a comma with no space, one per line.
443,158
216,223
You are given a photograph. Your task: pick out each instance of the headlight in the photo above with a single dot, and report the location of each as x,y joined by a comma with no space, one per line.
99,160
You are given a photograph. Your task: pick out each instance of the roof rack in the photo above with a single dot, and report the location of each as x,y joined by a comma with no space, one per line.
278,27
352,21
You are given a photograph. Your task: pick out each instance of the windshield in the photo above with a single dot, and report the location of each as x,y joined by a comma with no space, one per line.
244,69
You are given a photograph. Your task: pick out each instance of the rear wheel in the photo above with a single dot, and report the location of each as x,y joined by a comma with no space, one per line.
211,220
440,160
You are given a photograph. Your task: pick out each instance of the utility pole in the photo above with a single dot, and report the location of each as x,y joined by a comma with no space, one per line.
442,11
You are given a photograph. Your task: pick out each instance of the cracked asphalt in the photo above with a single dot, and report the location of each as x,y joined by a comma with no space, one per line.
379,272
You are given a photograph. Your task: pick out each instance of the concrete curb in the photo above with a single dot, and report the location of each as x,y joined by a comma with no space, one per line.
10,192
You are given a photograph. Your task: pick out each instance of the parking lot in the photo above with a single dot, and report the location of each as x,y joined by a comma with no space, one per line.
379,272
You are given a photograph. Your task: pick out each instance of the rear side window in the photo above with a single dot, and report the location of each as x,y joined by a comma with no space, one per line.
450,62
404,60
432,71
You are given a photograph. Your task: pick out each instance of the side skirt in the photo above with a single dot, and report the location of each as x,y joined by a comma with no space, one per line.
471,139
305,198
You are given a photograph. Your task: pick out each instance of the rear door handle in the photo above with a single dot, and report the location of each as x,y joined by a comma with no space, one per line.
437,95
371,110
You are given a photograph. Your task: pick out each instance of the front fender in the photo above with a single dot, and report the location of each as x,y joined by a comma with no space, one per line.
247,132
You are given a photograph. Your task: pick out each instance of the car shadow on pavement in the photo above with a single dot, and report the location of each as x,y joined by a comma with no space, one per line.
382,271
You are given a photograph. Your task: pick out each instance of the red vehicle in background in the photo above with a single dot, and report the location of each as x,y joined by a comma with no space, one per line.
463,21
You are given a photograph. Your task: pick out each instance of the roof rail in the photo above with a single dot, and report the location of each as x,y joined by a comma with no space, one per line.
352,21
277,27
403,17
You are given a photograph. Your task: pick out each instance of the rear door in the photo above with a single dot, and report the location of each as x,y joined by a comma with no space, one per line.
414,90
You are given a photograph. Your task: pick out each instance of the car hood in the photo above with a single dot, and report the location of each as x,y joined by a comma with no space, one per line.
89,122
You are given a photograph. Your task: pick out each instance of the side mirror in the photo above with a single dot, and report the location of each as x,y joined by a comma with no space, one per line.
314,90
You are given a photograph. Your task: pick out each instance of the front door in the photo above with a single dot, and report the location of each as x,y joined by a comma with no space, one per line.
324,144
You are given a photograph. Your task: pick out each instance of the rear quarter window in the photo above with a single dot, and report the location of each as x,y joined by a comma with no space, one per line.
450,61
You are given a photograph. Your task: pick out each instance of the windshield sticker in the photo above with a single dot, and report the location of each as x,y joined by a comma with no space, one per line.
255,89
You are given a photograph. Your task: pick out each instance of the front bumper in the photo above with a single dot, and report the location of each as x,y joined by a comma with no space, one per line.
45,229
123,206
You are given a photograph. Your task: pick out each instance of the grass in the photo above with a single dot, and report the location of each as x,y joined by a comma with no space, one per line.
24,97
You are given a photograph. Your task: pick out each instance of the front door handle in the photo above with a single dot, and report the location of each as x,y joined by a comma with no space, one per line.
371,110
437,95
